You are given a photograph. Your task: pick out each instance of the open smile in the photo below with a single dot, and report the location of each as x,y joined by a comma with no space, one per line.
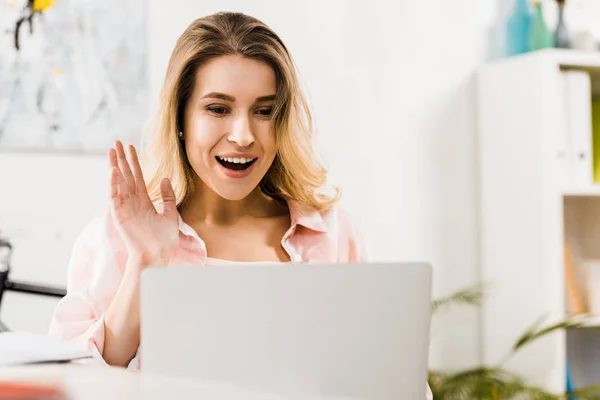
236,167
236,163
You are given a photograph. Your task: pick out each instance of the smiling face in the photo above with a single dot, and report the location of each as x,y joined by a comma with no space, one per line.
228,134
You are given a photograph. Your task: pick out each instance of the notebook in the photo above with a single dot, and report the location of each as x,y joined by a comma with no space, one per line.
20,348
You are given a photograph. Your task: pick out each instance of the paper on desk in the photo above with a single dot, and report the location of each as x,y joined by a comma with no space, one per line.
18,348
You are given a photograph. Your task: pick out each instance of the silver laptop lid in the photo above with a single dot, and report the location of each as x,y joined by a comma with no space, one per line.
357,330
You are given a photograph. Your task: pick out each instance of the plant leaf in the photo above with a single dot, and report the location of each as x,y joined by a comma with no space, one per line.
534,332
529,333
470,296
585,393
533,393
484,384
436,381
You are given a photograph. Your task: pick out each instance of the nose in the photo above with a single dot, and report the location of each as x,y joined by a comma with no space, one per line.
241,133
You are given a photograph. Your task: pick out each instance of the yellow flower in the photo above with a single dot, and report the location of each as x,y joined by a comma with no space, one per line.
42,5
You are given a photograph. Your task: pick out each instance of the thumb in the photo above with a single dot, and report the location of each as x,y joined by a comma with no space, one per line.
168,198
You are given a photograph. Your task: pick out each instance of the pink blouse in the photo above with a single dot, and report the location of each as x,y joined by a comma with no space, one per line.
99,256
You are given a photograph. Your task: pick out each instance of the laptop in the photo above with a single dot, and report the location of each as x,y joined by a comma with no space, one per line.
353,330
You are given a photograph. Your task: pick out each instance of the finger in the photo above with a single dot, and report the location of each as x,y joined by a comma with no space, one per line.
115,201
138,175
124,167
168,198
123,191
113,176
112,158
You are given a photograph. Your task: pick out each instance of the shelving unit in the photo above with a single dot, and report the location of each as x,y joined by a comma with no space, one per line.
590,191
527,215
592,323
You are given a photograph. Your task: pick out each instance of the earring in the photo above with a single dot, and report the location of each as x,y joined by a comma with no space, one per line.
180,135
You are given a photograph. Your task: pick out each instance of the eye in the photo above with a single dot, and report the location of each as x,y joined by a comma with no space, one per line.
265,111
218,110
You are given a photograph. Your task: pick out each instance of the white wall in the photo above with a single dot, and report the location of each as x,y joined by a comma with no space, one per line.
392,88
45,201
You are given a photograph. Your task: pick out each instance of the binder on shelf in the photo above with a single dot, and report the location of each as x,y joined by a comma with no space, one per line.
596,139
570,384
563,141
576,302
578,121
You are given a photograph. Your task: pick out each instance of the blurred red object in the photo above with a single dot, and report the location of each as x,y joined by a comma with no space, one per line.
31,391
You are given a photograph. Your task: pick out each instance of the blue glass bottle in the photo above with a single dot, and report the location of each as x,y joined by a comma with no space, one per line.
518,29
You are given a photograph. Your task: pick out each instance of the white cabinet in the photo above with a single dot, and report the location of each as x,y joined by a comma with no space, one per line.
528,212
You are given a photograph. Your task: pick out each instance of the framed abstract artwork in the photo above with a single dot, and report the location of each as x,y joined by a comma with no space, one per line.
73,74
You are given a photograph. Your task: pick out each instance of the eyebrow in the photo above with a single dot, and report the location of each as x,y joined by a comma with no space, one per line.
226,97
263,99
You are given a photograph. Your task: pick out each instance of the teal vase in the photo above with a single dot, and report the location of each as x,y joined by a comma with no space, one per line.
518,28
541,36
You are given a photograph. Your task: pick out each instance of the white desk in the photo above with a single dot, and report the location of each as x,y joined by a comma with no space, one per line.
92,382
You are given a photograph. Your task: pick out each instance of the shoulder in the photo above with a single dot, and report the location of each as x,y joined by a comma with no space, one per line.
99,231
99,242
97,260
92,231
344,227
339,218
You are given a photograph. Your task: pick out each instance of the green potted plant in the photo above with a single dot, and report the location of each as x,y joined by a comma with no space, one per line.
495,382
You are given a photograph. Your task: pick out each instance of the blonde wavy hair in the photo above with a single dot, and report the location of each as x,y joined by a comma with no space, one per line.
295,173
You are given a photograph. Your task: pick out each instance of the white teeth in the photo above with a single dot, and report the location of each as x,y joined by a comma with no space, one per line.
236,160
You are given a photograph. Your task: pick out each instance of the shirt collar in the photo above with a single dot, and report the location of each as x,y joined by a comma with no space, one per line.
306,216
300,214
186,229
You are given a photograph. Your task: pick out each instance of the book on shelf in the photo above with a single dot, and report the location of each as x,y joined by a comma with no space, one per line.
575,138
592,271
596,139
582,282
576,302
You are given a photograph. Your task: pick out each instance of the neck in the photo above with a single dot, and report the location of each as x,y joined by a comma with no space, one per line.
207,206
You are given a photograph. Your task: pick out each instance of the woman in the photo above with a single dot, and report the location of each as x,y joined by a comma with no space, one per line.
234,179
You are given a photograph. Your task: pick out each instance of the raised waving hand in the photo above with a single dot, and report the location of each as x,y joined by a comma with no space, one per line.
150,236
